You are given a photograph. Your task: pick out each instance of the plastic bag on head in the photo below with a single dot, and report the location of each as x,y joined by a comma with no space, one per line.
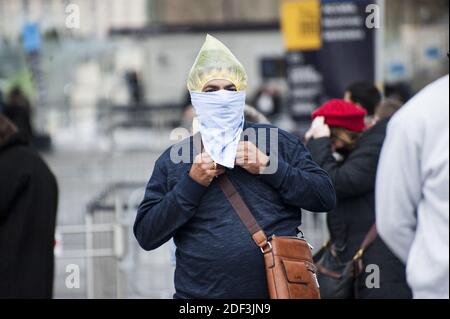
215,61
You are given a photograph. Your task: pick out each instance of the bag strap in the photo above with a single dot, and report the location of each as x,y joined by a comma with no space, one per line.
242,210
368,240
238,204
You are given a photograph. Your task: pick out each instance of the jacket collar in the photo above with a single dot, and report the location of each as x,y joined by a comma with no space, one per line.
14,140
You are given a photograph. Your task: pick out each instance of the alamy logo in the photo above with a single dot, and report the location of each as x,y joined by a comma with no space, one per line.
72,16
373,20
73,277
266,140
373,276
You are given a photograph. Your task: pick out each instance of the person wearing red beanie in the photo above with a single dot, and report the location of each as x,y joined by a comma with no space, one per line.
338,127
340,120
340,113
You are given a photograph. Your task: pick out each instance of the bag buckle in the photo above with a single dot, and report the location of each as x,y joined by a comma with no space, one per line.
263,249
358,254
300,234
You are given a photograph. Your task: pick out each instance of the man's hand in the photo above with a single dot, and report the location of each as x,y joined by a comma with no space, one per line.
202,170
318,129
250,158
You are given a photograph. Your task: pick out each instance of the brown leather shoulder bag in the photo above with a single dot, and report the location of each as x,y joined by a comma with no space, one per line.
291,273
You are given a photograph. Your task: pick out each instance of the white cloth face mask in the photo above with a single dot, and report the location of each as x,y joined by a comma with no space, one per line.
220,116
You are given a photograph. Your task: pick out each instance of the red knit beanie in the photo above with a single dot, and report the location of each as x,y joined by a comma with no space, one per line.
339,113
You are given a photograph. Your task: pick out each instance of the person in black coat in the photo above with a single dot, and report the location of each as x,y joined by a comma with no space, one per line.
28,205
353,174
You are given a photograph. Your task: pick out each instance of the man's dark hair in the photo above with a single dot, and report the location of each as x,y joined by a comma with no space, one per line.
365,94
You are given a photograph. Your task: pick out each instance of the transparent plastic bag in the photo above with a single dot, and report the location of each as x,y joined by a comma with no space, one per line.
215,61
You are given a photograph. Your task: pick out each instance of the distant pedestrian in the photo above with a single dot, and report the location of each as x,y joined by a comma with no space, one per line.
267,101
365,95
413,190
387,109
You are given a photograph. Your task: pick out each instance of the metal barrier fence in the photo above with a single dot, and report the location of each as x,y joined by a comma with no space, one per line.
115,266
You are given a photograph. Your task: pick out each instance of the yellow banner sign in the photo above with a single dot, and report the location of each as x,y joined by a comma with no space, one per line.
300,24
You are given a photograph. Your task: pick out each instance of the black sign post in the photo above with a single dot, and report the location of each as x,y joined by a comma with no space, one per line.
346,55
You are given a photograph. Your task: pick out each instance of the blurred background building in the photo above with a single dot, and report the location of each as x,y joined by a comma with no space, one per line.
107,80
156,39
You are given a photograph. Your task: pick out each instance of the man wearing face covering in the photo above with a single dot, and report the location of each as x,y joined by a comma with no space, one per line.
216,256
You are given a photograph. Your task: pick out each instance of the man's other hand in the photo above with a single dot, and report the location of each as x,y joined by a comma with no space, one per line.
250,158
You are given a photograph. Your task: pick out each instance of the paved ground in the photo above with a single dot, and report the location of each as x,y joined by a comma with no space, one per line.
82,176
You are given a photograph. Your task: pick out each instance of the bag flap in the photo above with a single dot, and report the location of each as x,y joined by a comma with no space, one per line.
298,272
